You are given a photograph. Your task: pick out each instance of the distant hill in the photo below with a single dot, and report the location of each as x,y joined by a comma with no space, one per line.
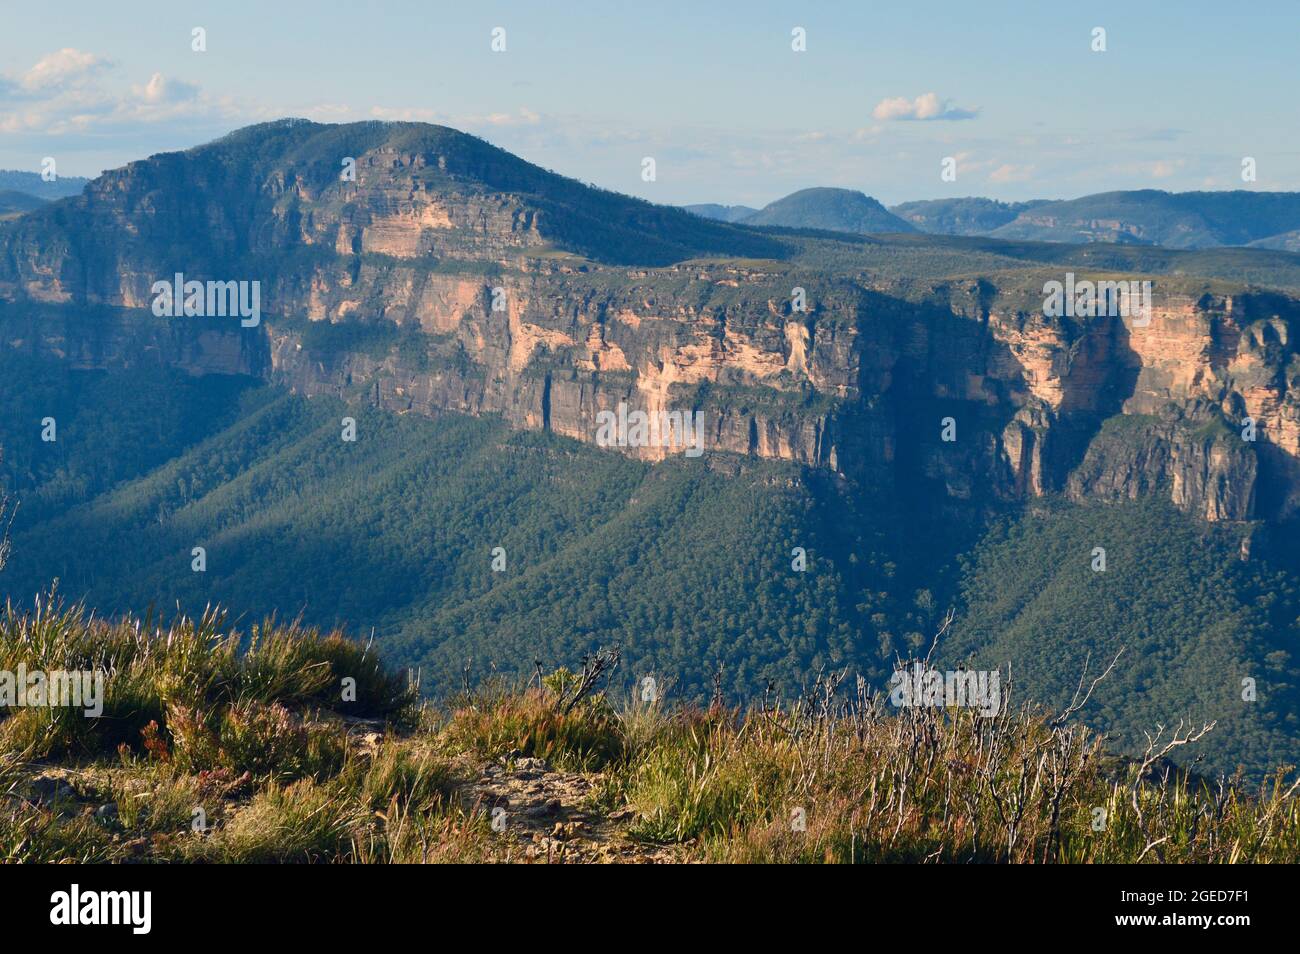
966,216
1171,219
30,183
14,204
1183,220
1285,242
832,210
722,213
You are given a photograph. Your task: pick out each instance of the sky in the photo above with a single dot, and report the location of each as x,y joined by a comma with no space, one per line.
715,93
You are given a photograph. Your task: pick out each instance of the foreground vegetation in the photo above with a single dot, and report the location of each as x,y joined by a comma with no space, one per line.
285,745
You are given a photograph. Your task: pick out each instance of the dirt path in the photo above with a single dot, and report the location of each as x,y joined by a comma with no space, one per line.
544,815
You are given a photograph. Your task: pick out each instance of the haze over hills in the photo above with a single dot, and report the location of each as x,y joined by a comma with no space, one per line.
476,314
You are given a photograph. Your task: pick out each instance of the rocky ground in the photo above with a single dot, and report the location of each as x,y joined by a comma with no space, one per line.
537,813
546,815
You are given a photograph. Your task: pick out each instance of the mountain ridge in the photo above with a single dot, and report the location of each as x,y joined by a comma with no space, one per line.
449,275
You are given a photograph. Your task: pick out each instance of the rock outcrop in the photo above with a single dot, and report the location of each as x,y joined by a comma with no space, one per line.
450,276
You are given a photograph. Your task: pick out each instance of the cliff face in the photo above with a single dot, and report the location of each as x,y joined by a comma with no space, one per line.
445,277
560,348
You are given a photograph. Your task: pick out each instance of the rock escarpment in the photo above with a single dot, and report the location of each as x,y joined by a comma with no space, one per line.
448,276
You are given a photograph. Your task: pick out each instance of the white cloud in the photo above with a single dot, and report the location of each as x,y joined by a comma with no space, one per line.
927,106
159,89
69,91
65,67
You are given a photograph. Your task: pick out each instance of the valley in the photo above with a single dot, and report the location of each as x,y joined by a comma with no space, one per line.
480,319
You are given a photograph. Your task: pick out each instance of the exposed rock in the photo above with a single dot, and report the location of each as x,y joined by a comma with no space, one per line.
450,276
549,816
47,790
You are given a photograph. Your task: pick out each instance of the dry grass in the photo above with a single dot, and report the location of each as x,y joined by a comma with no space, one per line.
220,747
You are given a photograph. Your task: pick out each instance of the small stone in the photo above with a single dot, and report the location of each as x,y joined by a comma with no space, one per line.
49,788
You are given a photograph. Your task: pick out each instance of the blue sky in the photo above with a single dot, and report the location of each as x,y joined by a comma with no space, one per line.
713,91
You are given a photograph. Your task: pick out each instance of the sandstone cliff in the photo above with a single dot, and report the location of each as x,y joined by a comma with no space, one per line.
450,276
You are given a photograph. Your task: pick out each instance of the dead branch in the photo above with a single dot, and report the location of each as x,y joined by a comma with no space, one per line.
596,667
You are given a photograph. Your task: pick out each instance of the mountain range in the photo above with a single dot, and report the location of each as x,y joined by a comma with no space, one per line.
1185,220
893,425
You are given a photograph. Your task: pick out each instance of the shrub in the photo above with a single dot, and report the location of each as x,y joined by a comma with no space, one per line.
586,738
417,779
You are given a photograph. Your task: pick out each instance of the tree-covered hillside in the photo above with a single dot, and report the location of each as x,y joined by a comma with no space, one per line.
1192,617
834,210
687,566
966,216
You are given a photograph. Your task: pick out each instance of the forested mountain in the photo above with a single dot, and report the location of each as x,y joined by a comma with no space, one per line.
890,426
832,210
968,216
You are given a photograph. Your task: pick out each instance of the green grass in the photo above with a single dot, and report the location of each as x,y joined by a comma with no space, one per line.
256,760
